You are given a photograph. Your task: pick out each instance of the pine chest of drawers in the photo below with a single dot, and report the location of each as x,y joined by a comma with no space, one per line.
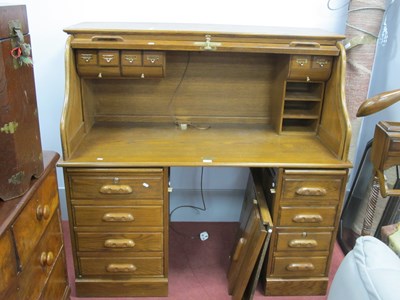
32,254
119,223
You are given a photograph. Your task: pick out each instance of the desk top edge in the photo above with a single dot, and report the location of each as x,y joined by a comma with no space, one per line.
195,29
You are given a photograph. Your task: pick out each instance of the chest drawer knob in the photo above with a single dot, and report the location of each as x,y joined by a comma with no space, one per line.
307,219
42,212
300,267
121,268
310,191
116,189
118,217
46,259
303,243
119,243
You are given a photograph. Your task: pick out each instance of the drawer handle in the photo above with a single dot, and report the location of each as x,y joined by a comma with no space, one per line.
46,259
86,57
238,250
108,57
119,243
153,59
42,212
121,268
307,219
307,191
304,44
300,267
118,217
116,189
300,243
107,38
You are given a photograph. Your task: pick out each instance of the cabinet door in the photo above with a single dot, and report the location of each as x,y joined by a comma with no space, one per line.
247,250
251,245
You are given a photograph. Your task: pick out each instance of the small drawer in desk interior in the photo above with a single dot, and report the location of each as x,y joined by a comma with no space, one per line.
86,57
108,58
153,58
307,67
117,186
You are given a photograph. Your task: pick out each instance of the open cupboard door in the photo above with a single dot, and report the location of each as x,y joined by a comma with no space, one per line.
251,243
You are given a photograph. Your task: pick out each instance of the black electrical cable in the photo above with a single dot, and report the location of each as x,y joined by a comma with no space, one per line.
203,208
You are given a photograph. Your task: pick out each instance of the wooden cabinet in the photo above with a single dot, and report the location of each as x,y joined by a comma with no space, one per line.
21,156
305,206
141,98
32,259
119,230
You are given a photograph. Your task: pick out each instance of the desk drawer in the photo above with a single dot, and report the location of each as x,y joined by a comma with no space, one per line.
35,217
120,242
57,283
8,264
95,63
129,216
117,185
124,266
312,188
303,241
307,216
306,67
299,266
41,262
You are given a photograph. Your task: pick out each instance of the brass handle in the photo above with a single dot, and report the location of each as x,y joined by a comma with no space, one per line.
300,267
304,44
239,247
119,243
307,218
153,59
108,57
118,217
302,243
42,212
116,189
46,258
310,191
121,268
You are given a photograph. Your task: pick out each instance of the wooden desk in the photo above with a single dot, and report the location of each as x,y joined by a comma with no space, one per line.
141,98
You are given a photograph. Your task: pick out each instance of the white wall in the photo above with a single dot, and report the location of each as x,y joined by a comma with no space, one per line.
48,18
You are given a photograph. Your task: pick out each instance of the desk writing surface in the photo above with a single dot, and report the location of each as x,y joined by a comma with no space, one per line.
143,144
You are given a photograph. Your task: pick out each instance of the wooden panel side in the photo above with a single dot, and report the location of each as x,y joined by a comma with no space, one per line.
72,119
334,129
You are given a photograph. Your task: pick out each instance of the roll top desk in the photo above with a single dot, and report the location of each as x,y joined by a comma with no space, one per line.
141,98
